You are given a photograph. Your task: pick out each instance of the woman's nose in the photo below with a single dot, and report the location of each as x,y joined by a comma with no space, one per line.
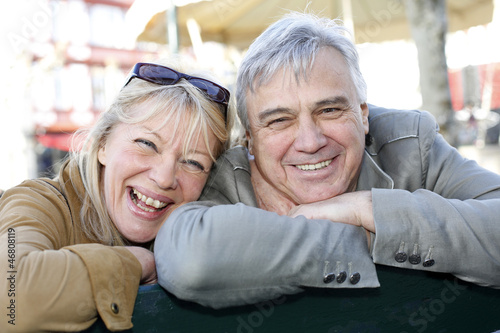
164,173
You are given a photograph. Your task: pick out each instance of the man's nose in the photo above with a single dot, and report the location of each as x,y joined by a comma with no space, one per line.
164,173
309,137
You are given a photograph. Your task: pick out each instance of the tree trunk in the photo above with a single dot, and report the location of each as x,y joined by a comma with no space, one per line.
428,24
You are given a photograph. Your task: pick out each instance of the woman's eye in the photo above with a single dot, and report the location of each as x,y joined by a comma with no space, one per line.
147,143
194,165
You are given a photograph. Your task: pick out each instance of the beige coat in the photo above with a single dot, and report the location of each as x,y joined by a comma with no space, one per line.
54,279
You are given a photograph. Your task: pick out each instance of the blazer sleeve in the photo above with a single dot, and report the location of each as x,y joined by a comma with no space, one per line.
450,225
229,255
56,285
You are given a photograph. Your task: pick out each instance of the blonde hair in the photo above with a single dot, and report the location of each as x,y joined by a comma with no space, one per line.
177,102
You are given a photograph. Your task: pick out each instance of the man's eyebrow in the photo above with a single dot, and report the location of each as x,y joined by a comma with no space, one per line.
336,100
271,112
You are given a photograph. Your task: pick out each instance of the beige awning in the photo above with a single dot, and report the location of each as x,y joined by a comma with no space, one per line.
239,22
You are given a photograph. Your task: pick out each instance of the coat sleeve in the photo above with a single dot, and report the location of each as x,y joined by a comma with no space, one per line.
450,225
230,255
56,286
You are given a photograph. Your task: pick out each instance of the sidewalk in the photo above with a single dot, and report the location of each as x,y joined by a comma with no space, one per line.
488,157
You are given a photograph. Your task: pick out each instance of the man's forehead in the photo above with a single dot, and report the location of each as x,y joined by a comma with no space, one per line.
302,71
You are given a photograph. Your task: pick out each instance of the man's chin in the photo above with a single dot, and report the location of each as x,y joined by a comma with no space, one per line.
314,195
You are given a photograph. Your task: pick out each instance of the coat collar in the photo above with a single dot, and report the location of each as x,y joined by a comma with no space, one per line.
372,176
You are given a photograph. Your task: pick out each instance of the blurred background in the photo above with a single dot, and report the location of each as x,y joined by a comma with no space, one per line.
63,61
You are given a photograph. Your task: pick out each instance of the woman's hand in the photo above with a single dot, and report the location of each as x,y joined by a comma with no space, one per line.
147,260
352,208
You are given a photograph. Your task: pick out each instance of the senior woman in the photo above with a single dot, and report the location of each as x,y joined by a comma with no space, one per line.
77,247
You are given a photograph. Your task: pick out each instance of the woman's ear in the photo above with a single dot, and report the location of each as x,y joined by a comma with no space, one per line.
101,155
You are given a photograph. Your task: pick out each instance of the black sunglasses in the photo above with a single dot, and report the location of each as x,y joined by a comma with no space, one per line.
167,76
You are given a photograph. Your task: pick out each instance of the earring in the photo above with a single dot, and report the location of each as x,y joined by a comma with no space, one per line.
368,139
250,146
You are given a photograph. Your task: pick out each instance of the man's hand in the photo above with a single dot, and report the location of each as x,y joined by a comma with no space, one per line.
352,208
147,260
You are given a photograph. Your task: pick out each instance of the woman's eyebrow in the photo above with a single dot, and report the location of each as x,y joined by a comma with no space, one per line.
152,132
198,152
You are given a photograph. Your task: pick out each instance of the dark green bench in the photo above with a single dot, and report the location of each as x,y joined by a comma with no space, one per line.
407,301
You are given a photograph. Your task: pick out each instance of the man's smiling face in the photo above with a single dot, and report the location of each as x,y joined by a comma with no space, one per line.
308,136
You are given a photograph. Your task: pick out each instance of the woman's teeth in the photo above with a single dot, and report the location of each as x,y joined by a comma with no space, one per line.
312,167
148,201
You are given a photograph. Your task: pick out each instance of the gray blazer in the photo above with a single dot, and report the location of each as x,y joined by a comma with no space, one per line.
433,210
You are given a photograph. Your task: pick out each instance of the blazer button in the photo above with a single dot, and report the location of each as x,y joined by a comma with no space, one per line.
428,262
329,278
401,257
114,308
414,259
341,277
354,279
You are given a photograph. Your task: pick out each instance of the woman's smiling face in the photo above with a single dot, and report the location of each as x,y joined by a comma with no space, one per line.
145,174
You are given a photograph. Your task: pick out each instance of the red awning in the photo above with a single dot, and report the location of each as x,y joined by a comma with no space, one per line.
60,141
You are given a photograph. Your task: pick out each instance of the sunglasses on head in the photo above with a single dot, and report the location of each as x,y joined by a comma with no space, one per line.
167,76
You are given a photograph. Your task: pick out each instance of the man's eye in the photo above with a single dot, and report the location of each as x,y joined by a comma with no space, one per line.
332,112
278,122
147,143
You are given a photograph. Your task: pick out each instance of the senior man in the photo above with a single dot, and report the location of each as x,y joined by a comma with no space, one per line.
328,187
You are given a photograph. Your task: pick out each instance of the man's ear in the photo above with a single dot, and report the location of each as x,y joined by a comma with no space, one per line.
249,141
364,114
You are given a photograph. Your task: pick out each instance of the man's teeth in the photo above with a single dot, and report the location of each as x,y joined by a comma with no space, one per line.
312,167
149,201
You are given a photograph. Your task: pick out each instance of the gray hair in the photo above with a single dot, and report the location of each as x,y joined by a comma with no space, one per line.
174,102
292,43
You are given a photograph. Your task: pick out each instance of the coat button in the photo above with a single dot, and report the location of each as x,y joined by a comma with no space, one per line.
341,277
114,308
401,257
428,262
329,278
355,278
414,259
